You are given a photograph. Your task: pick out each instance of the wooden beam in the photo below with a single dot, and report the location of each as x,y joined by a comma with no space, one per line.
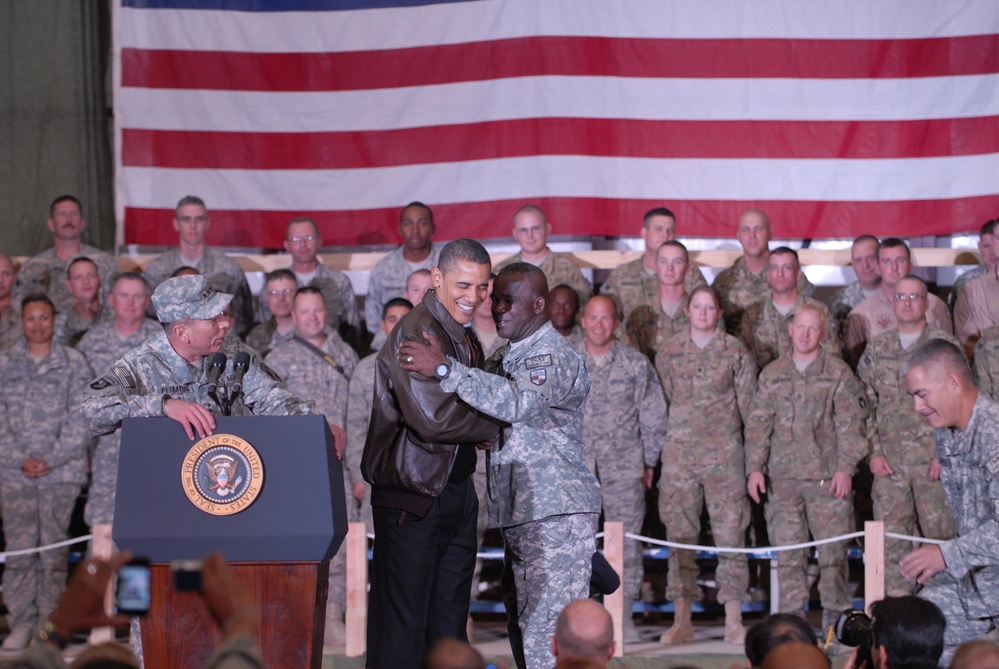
356,619
614,602
874,562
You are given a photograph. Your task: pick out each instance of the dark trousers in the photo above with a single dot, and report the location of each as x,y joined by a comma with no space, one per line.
421,578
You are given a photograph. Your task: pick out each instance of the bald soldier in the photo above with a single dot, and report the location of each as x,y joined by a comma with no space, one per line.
907,492
624,427
583,630
530,230
745,282
637,282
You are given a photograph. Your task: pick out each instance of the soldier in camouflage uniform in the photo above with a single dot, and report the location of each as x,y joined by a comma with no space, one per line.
541,494
388,278
624,427
166,375
191,223
806,434
651,324
907,485
864,260
531,229
764,327
303,241
85,286
44,464
46,272
637,282
709,379
962,575
102,345
317,364
985,362
563,311
10,312
745,282
987,250
279,291
874,316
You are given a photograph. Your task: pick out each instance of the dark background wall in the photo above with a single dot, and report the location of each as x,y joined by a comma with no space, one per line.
54,118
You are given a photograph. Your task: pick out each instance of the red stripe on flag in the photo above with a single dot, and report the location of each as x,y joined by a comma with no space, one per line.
561,136
580,216
570,56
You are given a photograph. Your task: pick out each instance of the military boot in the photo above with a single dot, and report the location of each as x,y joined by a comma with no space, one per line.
734,631
681,631
336,632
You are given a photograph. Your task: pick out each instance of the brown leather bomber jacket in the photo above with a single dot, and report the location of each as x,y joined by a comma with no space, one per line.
420,438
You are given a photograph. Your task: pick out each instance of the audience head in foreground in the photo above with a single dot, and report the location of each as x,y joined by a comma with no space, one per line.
583,631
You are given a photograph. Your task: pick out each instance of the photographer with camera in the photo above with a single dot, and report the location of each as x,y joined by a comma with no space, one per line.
81,607
902,633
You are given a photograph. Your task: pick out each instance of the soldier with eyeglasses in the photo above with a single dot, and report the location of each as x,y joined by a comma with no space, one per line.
907,492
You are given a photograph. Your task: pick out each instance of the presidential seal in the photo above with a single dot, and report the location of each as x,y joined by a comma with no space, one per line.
222,474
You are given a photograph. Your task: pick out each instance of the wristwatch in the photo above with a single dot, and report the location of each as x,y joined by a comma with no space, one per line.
443,370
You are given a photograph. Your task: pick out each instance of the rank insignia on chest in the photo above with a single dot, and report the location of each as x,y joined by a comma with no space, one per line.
539,376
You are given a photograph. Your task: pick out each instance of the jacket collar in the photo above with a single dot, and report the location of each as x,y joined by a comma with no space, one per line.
455,330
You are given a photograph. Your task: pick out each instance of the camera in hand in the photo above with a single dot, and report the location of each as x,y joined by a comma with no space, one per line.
133,592
855,628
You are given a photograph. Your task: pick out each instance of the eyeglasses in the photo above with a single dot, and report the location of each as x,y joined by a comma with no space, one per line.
283,291
908,297
299,240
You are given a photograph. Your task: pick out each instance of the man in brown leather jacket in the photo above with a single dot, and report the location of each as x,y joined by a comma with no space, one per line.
418,458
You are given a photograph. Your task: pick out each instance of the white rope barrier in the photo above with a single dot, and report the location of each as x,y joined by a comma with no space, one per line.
40,549
754,549
921,540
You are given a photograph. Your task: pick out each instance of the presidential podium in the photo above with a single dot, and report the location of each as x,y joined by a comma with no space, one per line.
267,492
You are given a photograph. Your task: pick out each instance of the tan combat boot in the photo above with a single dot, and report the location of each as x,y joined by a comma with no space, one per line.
735,633
681,631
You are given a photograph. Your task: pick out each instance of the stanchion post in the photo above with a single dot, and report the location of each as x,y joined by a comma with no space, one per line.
874,562
614,602
356,618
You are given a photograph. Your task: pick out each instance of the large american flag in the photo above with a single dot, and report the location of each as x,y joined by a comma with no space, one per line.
835,116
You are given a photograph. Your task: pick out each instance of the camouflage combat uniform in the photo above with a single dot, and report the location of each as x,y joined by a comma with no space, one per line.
634,285
138,383
842,302
388,281
709,392
976,308
896,432
362,386
338,294
649,326
69,328
40,418
102,345
541,493
985,363
962,281
264,337
46,273
764,331
10,326
739,288
805,427
223,274
875,316
309,377
624,426
558,269
967,591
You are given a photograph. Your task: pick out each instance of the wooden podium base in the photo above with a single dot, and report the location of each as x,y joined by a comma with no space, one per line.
180,633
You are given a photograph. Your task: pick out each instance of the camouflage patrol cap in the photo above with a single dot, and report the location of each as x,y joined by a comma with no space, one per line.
188,296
